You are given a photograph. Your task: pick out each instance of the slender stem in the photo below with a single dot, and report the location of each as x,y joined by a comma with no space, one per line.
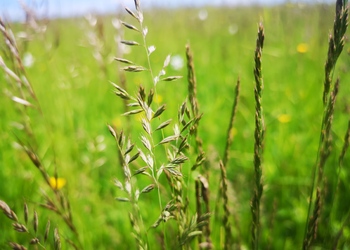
336,44
259,140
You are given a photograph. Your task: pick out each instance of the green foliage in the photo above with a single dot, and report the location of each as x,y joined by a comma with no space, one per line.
74,62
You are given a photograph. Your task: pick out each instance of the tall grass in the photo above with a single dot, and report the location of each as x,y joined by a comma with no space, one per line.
336,44
259,139
166,173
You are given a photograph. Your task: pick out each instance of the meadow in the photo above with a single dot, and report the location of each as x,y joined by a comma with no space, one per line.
65,156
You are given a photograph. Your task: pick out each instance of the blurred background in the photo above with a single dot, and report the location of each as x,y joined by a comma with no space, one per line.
67,8
68,49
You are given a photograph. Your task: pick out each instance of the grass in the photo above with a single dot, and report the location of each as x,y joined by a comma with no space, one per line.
73,142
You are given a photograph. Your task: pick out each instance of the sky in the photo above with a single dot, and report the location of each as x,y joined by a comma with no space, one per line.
12,11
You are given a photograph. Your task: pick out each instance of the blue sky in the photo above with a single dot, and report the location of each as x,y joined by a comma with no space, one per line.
11,9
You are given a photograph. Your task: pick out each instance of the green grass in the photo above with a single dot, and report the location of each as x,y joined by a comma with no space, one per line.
77,102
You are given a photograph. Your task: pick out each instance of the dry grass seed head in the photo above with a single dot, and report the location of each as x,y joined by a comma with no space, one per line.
7,211
19,227
35,222
47,230
16,246
26,213
57,240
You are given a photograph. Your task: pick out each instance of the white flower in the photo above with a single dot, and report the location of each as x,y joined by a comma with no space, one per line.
177,62
91,19
233,28
28,60
203,14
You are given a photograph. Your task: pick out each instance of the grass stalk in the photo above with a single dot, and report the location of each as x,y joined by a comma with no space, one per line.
175,145
229,140
201,160
229,134
168,154
31,232
122,77
22,94
346,221
318,181
227,214
344,148
259,140
192,97
335,47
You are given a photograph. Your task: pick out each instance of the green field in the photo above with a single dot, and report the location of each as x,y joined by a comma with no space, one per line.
72,67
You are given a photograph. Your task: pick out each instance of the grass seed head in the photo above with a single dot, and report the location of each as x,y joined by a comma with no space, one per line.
16,246
7,211
20,227
35,222
47,230
57,240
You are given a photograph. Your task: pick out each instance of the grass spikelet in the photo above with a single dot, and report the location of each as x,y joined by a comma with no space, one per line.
259,140
34,241
227,214
159,111
47,230
345,145
57,239
313,222
151,183
11,43
338,181
229,140
16,246
7,211
206,198
202,194
192,81
26,212
131,13
20,227
191,229
18,72
192,97
32,236
171,78
123,60
336,44
62,211
198,202
326,137
130,43
229,134
126,157
35,222
130,26
120,58
340,232
202,185
23,94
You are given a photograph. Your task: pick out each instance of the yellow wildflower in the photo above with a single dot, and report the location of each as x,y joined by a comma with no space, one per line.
158,99
302,48
284,118
117,122
57,183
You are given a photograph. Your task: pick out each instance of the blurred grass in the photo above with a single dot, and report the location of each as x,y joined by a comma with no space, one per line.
77,102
